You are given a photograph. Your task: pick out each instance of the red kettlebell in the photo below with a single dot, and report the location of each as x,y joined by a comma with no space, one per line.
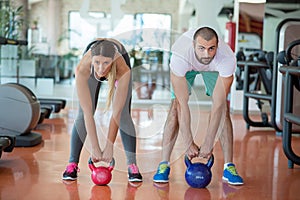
101,175
198,175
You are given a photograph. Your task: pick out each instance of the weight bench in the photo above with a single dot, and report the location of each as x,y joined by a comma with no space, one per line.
56,104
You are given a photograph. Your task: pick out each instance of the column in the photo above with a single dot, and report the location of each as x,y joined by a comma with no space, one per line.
54,21
207,12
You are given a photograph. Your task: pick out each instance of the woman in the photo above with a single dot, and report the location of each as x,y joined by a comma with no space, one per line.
105,59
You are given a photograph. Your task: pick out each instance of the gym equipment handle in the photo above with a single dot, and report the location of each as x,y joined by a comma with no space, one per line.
4,41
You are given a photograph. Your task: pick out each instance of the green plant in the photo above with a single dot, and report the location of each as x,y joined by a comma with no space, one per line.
73,52
26,53
66,35
11,20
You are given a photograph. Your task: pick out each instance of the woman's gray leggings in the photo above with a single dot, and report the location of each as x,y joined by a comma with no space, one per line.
127,129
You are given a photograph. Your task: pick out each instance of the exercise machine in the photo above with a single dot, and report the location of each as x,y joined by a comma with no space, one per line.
258,73
291,86
287,35
286,32
20,113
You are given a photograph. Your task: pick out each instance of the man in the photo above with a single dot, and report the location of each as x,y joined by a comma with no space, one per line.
200,52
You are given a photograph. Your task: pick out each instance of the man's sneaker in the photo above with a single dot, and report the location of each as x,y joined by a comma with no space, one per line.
134,174
162,174
231,176
70,173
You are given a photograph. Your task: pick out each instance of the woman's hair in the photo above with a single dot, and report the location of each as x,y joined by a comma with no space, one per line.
104,48
107,49
111,84
206,33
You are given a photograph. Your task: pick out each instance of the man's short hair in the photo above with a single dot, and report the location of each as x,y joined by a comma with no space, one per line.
206,33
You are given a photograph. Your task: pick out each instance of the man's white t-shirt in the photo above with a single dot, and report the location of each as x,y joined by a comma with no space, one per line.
184,59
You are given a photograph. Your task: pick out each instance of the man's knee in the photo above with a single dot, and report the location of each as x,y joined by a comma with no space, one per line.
174,108
174,104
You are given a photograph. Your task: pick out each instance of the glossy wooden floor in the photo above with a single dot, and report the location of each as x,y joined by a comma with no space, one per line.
35,172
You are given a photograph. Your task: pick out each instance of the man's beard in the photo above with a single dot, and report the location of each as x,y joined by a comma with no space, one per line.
205,60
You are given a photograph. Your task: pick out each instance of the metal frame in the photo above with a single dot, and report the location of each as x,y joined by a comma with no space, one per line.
289,117
272,98
251,94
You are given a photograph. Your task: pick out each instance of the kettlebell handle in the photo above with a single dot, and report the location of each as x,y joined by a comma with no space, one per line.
209,163
187,161
110,167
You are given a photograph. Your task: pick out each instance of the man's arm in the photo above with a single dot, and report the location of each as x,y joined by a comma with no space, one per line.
184,116
218,114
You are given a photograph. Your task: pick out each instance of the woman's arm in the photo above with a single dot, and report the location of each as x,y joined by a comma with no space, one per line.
120,96
82,75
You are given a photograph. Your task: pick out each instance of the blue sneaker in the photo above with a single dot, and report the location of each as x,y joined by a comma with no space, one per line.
162,174
231,176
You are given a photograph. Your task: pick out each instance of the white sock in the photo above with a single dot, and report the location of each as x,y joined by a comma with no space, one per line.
167,162
226,165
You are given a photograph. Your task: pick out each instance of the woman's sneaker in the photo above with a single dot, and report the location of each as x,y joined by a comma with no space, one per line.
231,176
70,174
134,174
162,174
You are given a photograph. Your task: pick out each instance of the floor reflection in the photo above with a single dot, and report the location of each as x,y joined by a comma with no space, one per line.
35,172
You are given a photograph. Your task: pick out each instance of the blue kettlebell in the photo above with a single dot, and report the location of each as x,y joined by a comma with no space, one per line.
198,175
